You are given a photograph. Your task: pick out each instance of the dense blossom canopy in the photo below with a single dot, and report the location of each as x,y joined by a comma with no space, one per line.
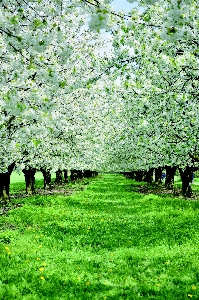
65,102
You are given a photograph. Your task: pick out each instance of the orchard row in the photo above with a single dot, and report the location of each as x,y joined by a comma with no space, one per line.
72,98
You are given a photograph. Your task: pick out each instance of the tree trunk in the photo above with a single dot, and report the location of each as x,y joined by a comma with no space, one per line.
73,175
80,174
158,175
47,177
5,184
58,178
30,180
186,176
95,173
139,175
4,187
148,176
66,176
87,173
169,180
76,174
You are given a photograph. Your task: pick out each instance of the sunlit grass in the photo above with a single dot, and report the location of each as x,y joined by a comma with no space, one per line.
106,242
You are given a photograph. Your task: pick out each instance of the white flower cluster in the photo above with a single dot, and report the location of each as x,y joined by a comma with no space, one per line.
46,62
98,21
62,104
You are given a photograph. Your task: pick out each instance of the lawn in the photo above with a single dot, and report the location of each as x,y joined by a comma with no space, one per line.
104,242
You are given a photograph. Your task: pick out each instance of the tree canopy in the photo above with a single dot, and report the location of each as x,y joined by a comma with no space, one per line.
65,102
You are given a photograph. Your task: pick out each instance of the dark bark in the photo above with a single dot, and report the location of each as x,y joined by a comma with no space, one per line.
5,184
30,180
59,177
169,180
4,187
87,173
47,177
76,174
186,177
158,175
94,173
139,175
80,174
148,176
11,167
73,175
66,176
130,175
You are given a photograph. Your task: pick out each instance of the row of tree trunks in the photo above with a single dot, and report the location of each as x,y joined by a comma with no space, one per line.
29,175
30,178
147,176
76,174
89,173
80,174
169,179
62,176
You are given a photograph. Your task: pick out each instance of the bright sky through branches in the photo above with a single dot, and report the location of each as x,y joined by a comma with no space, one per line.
118,5
123,5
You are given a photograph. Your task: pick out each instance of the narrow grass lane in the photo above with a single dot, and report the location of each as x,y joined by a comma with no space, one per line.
106,242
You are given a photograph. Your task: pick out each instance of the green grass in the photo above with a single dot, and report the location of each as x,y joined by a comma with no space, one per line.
106,242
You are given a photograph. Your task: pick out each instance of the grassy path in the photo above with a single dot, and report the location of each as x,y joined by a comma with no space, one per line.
106,242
